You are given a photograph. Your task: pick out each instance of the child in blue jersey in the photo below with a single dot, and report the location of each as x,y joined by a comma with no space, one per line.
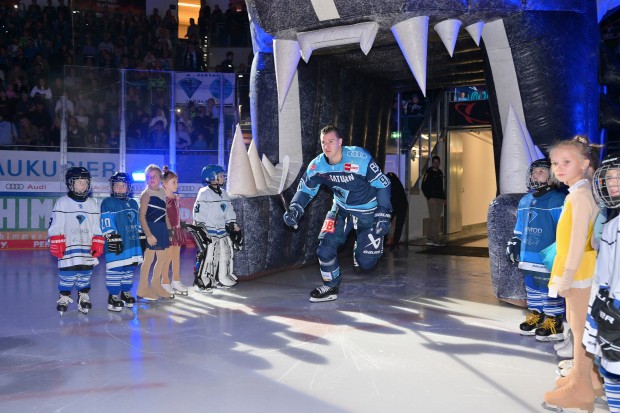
361,202
75,239
120,224
537,217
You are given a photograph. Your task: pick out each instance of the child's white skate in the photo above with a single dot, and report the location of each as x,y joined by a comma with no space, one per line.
63,303
84,304
179,288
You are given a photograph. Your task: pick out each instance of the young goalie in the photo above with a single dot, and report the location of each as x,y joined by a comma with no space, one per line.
215,231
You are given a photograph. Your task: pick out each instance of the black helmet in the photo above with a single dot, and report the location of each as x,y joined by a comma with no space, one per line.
77,172
121,177
606,182
539,163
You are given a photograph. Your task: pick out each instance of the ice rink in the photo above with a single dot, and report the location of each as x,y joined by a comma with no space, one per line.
423,333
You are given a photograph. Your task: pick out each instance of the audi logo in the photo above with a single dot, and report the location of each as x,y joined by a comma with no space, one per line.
14,187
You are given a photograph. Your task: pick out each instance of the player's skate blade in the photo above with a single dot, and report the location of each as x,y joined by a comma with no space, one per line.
323,293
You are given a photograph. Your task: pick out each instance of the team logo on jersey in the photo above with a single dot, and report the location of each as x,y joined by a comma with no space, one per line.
531,216
341,178
357,154
131,216
223,207
375,242
351,167
313,167
80,218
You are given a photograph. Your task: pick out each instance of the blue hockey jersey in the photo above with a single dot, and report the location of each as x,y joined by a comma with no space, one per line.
537,219
357,182
121,217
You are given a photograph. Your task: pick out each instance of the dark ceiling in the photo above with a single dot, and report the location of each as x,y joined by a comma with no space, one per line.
283,19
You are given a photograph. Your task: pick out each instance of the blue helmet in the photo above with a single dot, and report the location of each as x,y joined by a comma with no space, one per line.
210,173
74,173
121,177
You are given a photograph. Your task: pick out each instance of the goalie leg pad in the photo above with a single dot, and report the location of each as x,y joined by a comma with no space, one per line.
224,273
608,319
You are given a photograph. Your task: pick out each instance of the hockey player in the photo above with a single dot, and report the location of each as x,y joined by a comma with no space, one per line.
121,228
214,214
537,218
75,239
361,202
602,338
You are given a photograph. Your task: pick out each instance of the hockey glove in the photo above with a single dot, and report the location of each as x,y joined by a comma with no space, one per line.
115,244
381,223
293,215
96,248
58,246
142,237
236,237
513,250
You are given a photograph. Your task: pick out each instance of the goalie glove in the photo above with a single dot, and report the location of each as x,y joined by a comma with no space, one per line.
96,248
513,250
236,237
142,237
58,246
115,243
293,215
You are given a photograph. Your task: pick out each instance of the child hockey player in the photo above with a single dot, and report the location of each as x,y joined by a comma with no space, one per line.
155,225
170,182
361,202
214,214
573,267
121,227
537,217
75,239
602,338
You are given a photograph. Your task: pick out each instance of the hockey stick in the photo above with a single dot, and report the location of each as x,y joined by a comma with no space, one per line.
285,165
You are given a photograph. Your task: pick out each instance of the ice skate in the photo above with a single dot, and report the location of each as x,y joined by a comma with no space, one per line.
532,321
84,304
161,291
200,287
146,294
114,303
566,351
127,299
552,329
63,303
576,394
179,287
168,288
568,340
323,293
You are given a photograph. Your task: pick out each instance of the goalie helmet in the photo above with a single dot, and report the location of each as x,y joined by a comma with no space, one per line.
210,173
606,182
74,173
121,177
539,163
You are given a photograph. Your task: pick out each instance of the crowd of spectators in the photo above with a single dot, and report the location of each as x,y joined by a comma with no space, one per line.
42,46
